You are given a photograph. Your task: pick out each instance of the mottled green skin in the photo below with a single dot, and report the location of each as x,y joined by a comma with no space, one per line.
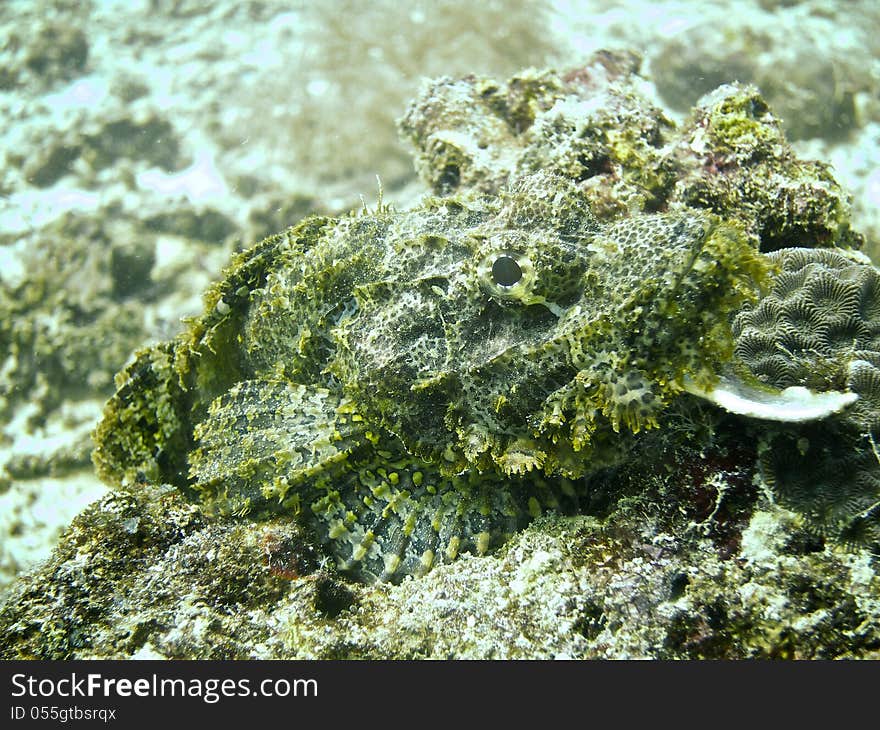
368,374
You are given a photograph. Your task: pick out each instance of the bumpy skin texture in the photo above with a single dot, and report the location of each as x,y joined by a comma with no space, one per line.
417,384
732,157
590,125
819,327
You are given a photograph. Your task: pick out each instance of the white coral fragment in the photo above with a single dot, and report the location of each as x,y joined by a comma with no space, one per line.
793,404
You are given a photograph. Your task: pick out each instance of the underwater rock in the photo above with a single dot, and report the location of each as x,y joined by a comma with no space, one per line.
148,138
810,87
58,51
590,125
146,576
76,297
733,158
598,130
207,225
49,53
79,294
47,168
69,316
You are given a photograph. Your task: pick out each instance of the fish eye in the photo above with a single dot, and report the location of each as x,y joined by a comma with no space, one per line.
506,271
507,275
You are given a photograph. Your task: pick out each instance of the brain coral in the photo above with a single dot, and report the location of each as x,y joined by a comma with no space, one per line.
823,304
819,327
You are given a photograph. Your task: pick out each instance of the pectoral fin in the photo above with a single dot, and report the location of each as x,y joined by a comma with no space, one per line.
264,440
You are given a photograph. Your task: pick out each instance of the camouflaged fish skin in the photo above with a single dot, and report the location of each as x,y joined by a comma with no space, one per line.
416,384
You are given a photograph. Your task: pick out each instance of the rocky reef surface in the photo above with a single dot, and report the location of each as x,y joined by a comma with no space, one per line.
150,577
712,539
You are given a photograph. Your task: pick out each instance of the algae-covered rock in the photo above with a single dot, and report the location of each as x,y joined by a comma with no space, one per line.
596,127
71,308
145,575
733,157
147,138
591,125
77,295
47,54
